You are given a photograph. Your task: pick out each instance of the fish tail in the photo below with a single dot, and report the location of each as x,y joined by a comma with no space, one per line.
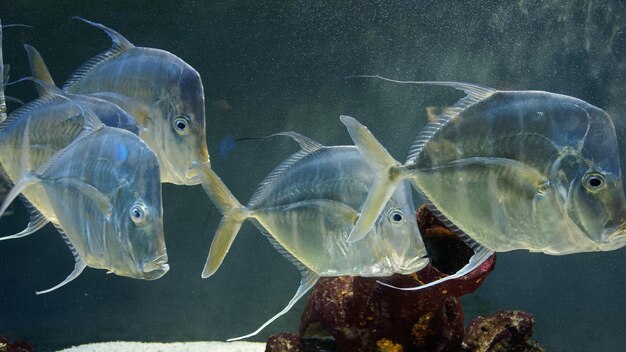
234,216
389,174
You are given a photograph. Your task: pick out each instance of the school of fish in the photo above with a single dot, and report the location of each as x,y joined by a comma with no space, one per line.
505,170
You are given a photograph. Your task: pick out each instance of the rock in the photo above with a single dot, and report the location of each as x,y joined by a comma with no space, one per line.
284,342
502,332
362,315
18,346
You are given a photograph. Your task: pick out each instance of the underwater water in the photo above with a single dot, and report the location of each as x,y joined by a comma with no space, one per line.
280,66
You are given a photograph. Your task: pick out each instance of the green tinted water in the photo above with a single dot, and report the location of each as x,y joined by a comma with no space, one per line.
275,66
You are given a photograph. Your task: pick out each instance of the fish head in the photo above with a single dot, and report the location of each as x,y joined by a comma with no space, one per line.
135,243
401,242
184,134
164,95
591,176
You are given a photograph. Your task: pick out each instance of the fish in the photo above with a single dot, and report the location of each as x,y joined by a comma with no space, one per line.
306,207
3,102
102,192
509,170
162,92
55,119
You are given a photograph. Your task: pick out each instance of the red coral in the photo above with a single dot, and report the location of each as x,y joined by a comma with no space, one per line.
18,346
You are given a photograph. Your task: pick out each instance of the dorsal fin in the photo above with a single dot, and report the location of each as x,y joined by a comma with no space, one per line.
24,110
120,45
475,93
38,68
44,88
308,146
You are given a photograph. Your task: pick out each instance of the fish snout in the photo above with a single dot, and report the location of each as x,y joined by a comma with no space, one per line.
152,270
413,265
614,237
191,176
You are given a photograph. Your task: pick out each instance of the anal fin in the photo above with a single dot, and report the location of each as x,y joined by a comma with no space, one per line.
79,264
37,221
481,254
309,279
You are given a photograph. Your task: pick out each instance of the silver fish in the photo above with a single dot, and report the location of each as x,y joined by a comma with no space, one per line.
306,208
55,120
3,103
102,192
162,92
512,170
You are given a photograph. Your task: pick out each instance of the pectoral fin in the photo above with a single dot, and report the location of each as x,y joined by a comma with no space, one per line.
100,199
525,178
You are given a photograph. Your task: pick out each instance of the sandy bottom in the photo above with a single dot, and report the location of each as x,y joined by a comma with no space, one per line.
169,347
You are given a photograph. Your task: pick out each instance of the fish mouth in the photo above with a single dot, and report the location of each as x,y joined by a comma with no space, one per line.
614,238
156,268
191,176
414,265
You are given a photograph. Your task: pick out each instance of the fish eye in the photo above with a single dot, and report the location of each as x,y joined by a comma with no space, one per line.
593,181
396,216
181,123
137,213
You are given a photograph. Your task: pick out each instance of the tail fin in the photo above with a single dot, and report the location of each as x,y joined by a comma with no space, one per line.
234,215
388,176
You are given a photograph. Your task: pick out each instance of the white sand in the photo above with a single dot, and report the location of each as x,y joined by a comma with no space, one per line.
120,346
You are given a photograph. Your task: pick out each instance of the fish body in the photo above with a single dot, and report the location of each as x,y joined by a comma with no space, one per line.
512,170
101,190
307,206
525,162
3,102
127,237
310,208
53,121
162,92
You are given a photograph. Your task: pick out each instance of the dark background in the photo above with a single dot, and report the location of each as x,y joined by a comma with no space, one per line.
271,66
